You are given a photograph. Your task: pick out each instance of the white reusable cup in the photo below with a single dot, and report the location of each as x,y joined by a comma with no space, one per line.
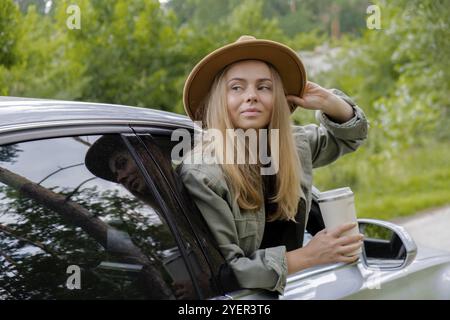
338,208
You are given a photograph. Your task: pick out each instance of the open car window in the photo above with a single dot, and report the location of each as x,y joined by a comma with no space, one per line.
215,277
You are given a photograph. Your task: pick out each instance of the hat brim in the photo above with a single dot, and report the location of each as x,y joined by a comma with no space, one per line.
284,59
98,156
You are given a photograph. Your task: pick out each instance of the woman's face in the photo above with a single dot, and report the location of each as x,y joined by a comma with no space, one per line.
126,172
249,87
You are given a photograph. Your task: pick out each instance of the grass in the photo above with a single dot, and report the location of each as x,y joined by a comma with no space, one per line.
387,188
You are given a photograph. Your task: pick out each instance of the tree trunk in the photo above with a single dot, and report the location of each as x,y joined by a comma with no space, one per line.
335,22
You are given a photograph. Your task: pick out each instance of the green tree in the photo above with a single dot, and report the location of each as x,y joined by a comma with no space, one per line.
130,52
40,5
202,13
46,68
9,21
10,34
400,74
331,17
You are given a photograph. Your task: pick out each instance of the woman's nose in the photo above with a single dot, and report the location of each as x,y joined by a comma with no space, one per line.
121,176
251,96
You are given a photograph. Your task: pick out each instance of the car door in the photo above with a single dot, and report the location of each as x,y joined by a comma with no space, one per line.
68,234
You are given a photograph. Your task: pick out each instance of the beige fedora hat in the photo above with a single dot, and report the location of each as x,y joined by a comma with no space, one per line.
284,59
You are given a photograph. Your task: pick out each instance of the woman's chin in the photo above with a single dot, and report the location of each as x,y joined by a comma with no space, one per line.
252,125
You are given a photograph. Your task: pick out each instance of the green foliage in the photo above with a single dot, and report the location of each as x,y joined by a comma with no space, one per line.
307,40
9,16
38,4
400,75
390,186
139,52
10,33
333,18
202,13
294,16
138,41
46,67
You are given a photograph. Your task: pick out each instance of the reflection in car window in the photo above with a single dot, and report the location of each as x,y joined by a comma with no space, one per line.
68,234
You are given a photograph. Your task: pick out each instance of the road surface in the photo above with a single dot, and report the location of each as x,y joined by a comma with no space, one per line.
430,229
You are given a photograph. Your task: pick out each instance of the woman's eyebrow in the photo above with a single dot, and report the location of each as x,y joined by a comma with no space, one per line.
236,79
257,80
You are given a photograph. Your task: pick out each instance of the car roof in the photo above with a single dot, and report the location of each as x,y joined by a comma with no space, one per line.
17,111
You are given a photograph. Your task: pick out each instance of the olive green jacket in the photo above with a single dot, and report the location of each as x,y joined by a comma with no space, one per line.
238,232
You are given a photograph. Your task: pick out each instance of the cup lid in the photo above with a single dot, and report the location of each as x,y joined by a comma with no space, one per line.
335,194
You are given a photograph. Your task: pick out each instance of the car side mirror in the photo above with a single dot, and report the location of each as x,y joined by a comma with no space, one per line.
387,246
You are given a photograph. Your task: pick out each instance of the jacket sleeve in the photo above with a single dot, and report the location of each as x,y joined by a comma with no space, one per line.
330,140
264,268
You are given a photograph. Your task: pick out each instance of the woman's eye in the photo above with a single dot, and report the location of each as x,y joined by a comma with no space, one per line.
265,88
120,164
236,88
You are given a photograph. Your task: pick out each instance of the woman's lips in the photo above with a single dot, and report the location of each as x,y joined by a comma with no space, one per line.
251,113
135,184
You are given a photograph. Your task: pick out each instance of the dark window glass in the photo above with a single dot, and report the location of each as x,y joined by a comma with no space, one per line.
69,233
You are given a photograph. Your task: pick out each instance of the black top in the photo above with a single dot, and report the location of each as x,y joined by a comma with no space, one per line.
281,232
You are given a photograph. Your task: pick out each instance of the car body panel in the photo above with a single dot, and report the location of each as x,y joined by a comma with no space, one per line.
428,277
20,114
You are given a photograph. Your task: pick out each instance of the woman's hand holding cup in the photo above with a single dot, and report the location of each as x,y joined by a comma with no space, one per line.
329,246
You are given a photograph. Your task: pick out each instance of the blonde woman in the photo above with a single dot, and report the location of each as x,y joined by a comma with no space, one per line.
259,219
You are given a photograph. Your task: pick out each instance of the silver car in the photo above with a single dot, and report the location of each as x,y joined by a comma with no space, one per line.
70,228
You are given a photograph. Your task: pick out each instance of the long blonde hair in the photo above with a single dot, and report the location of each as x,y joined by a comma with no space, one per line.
245,180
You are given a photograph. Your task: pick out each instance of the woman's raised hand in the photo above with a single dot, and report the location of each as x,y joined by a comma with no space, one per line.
314,97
